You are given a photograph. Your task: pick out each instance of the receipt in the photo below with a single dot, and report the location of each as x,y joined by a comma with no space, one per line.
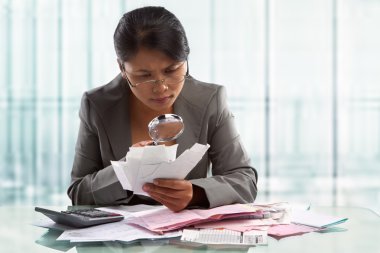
144,164
224,236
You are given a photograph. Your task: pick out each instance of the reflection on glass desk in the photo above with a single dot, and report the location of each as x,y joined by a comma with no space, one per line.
361,233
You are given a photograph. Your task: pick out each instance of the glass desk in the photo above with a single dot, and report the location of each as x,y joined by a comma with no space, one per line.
361,233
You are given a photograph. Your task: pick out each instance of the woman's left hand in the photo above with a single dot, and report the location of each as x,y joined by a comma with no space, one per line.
173,193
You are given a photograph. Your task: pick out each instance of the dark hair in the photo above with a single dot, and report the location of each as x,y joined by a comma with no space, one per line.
153,28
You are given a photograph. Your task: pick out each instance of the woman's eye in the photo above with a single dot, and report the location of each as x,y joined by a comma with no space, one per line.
170,70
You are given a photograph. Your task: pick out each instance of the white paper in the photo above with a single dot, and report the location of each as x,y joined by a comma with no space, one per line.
310,218
119,168
45,222
144,164
128,211
224,236
116,231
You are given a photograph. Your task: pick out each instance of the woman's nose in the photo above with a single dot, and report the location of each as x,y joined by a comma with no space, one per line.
160,86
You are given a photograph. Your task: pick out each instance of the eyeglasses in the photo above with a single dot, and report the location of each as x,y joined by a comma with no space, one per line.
172,78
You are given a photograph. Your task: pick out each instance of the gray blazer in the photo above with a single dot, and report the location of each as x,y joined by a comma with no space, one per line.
105,135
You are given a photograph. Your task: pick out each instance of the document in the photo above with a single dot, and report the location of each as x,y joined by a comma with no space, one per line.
241,225
313,219
116,231
271,215
166,220
224,236
144,164
289,230
45,222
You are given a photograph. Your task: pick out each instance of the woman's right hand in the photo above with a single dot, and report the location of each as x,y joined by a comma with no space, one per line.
143,143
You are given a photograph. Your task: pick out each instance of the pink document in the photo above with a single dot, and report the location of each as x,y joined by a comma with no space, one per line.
240,225
165,220
290,229
274,228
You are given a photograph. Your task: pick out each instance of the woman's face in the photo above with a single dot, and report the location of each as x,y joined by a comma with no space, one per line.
157,79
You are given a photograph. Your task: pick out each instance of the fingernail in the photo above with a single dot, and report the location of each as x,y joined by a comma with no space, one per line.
146,187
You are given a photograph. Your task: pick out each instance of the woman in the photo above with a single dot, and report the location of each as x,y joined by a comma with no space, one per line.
152,51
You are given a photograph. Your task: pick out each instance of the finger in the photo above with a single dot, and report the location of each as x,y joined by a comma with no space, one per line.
175,206
182,199
142,143
171,204
175,197
151,188
172,183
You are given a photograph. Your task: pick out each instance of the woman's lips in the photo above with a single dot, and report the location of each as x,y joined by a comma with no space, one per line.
162,100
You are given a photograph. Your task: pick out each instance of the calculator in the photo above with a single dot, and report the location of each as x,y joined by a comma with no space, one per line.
81,218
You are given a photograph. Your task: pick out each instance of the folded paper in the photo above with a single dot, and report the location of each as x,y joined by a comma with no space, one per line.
144,164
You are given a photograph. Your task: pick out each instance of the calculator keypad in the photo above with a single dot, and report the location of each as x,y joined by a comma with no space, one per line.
91,213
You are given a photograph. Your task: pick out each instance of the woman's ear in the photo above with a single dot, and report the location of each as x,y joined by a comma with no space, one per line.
121,67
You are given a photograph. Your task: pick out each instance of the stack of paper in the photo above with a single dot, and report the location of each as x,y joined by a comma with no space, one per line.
279,224
144,164
240,224
117,231
166,220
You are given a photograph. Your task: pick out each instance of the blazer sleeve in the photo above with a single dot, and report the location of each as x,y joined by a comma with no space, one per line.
233,179
91,182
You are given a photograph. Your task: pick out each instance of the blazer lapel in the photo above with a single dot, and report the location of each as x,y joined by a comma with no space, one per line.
117,126
192,118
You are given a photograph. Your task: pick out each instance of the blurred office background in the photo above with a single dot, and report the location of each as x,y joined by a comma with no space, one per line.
303,79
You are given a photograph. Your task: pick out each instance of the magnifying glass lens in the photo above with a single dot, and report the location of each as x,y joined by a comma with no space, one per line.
165,127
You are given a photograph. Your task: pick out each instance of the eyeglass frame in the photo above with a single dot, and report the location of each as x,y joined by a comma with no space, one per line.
157,81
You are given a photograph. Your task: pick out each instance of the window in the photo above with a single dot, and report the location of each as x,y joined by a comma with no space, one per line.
302,80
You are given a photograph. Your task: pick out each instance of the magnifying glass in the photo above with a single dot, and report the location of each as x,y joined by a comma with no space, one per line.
165,127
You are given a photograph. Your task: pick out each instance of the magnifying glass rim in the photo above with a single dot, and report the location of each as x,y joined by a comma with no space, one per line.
163,118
